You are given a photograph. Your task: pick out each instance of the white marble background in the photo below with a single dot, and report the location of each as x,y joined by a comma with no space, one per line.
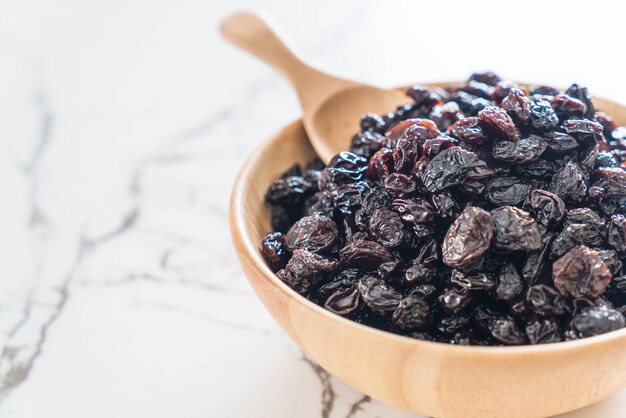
122,126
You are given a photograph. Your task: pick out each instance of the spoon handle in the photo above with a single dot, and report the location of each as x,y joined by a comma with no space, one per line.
256,36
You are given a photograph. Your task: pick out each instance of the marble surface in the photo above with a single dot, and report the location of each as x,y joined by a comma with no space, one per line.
122,126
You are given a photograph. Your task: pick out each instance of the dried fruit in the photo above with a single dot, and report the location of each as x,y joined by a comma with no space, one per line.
582,227
413,130
305,270
433,147
547,208
345,167
582,94
543,332
468,130
414,210
468,238
453,300
288,191
344,301
418,274
509,283
611,180
313,233
560,143
542,116
507,190
497,122
597,320
445,115
506,331
569,183
581,273
487,77
475,214
584,130
386,227
275,251
372,122
545,301
400,184
452,167
381,164
617,233
567,107
525,150
472,281
445,205
411,314
517,105
515,230
364,254
378,296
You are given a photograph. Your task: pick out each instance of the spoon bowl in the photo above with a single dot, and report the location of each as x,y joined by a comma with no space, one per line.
433,379
337,119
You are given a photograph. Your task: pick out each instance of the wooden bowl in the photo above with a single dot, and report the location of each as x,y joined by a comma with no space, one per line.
435,379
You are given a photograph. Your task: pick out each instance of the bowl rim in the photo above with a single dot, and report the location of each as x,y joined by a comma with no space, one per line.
240,233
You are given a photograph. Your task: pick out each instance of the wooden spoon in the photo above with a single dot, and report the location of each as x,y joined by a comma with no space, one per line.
332,106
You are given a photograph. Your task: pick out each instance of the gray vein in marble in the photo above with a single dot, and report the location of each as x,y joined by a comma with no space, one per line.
41,102
19,371
328,393
202,129
16,372
358,406
30,167
127,222
38,224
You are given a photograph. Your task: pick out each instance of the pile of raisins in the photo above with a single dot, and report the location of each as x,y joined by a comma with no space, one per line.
485,213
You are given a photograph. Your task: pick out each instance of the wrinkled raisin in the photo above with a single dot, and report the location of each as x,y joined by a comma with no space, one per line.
569,183
509,283
542,116
617,233
364,254
515,230
313,233
543,332
452,167
468,130
378,296
386,227
499,123
468,238
581,273
412,313
548,208
525,150
517,105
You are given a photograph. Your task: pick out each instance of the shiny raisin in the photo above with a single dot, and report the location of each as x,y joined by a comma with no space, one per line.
468,238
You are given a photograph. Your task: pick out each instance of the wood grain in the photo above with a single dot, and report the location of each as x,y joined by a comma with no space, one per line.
324,98
435,379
